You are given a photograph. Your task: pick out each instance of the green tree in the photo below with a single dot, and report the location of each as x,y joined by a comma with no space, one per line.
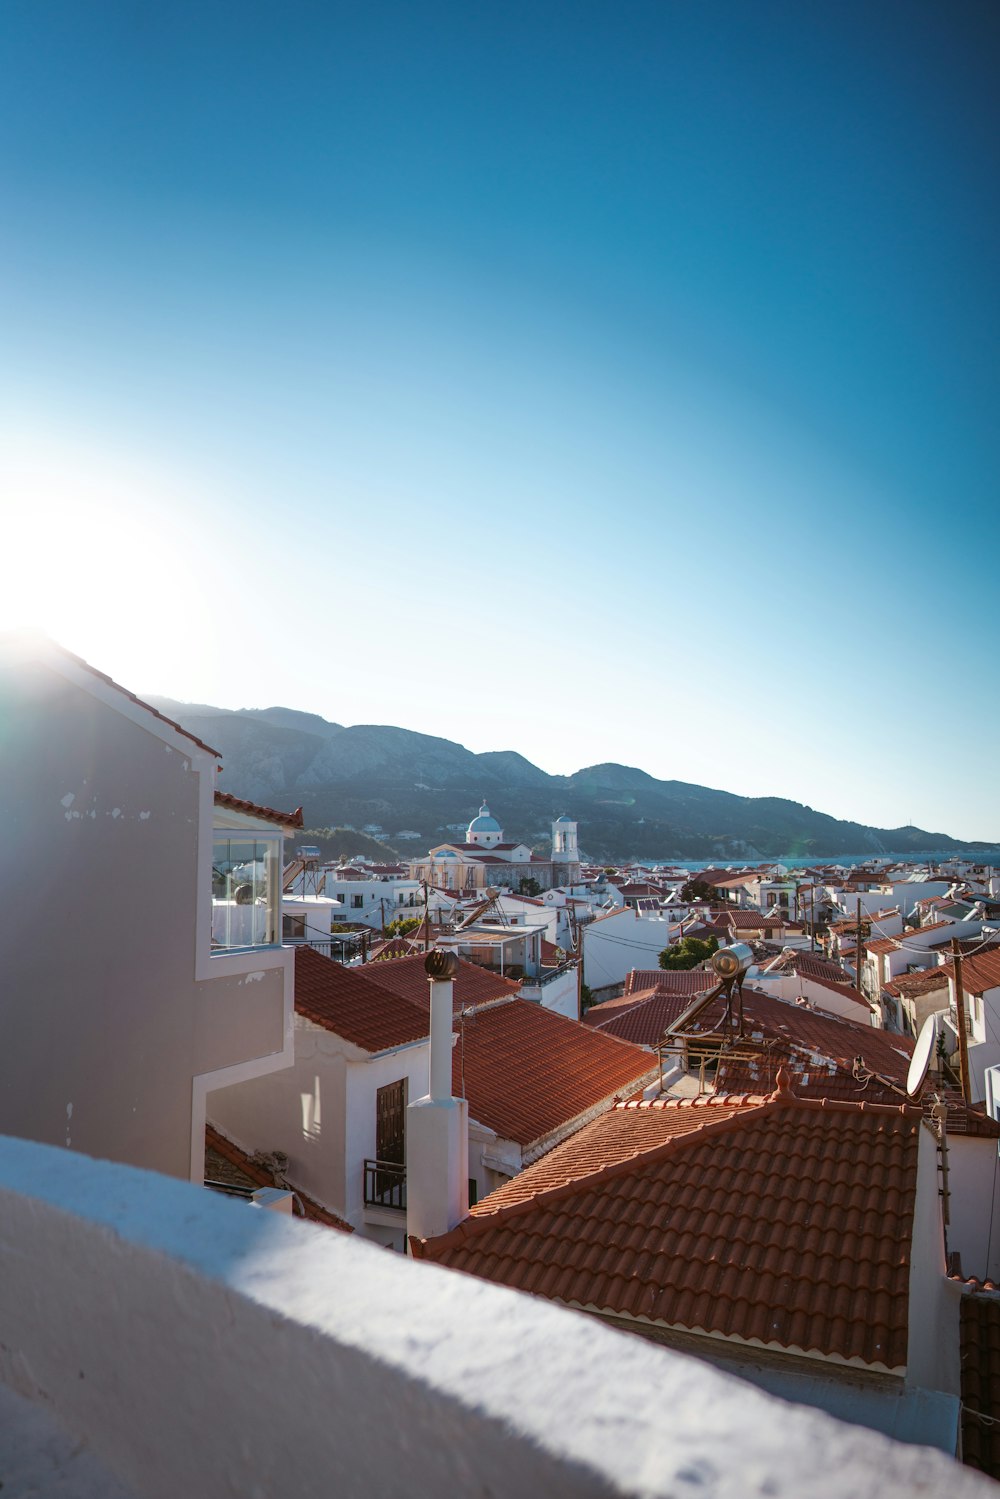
529,886
401,926
586,998
688,952
699,890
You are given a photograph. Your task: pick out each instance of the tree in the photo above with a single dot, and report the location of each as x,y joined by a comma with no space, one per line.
529,886
699,890
401,926
688,953
586,998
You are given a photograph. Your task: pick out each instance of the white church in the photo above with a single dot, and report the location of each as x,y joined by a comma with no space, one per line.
484,859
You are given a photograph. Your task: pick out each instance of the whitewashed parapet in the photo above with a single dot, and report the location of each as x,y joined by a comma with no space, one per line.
202,1347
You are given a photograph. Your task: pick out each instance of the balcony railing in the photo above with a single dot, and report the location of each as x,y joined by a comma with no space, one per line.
549,975
385,1185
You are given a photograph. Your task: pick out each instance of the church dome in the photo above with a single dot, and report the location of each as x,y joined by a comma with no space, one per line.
564,818
484,823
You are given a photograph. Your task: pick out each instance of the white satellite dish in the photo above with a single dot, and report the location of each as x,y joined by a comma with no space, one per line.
922,1053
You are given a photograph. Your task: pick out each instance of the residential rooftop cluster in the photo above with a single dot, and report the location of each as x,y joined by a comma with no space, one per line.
747,1116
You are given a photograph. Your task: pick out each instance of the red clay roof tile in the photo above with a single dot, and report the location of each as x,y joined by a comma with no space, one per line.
786,1222
642,1018
826,1042
529,1073
305,1207
407,978
980,1361
139,702
251,809
364,1013
673,980
980,972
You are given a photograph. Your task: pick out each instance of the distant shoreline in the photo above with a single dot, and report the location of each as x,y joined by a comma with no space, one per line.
798,861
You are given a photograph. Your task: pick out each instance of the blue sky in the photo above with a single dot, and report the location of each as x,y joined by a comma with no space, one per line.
547,376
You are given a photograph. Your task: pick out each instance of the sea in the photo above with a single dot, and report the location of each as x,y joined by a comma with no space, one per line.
799,861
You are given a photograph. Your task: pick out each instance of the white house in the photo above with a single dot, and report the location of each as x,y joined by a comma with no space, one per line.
623,939
167,979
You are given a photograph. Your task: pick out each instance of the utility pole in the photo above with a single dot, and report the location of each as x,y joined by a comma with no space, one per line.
963,1039
859,951
812,918
427,919
381,905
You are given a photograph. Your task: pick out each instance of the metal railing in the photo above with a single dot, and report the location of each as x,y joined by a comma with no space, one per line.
340,948
549,975
385,1185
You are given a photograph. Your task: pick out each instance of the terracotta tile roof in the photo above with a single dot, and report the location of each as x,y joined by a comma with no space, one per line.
829,1037
980,1362
110,682
265,814
813,1075
615,1136
845,989
552,954
360,1011
883,944
674,980
230,1155
752,921
394,947
979,973
925,981
529,1073
643,1019
406,978
786,1224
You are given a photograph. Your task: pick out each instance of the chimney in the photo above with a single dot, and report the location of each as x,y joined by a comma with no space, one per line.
437,1126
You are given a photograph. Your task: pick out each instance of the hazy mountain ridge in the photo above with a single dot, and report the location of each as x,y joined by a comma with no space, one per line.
376,773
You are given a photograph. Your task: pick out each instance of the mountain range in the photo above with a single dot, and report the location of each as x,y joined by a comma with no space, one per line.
374,774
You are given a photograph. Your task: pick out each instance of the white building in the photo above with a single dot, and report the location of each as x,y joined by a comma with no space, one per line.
167,979
485,859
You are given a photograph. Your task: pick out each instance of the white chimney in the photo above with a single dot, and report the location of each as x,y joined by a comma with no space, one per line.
437,1126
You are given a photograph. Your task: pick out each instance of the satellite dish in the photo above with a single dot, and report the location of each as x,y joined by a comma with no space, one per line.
922,1053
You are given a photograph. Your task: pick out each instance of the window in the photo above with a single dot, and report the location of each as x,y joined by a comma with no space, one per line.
293,928
246,891
357,902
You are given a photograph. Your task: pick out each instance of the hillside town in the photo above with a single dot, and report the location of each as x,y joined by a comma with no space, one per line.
750,1115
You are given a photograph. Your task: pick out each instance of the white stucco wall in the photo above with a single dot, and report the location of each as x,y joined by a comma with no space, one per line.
932,1361
363,1081
612,947
790,985
974,1204
112,1033
321,1113
560,994
290,1359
